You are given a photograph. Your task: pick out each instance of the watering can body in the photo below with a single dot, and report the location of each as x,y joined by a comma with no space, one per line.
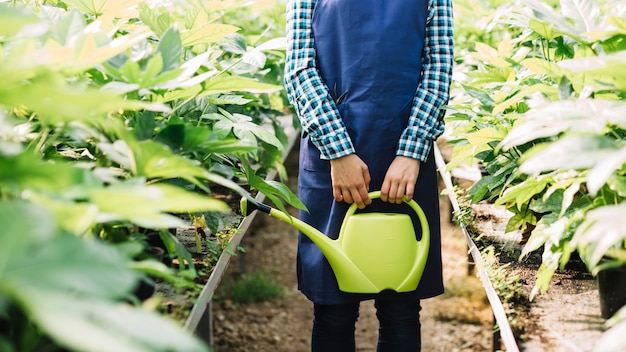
374,251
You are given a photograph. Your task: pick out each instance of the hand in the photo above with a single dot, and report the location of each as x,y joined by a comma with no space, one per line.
400,180
351,180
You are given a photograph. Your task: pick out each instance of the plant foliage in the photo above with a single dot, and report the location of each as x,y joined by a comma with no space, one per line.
540,104
116,118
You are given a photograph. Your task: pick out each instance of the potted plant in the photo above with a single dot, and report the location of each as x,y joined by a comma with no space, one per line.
601,241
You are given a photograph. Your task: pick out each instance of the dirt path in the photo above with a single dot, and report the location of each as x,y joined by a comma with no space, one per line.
460,320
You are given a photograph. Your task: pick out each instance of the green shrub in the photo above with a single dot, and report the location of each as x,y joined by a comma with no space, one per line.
257,286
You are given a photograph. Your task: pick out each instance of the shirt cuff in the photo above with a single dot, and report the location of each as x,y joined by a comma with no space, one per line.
334,145
414,146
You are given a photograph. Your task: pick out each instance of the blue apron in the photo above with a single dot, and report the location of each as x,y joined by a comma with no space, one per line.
369,51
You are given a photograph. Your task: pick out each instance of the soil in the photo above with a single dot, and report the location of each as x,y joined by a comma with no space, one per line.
459,320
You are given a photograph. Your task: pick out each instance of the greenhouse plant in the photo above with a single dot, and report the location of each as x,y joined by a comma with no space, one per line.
118,120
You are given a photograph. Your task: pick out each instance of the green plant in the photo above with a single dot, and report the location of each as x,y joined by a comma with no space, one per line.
542,114
220,244
508,285
257,286
116,117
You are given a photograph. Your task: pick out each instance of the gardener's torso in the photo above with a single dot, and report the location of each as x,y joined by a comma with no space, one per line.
369,55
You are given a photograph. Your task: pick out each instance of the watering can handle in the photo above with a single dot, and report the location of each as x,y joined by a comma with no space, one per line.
413,204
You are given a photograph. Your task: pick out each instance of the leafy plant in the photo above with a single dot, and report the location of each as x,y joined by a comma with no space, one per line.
258,286
117,117
542,114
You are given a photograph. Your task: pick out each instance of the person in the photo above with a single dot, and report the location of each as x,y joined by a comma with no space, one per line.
368,80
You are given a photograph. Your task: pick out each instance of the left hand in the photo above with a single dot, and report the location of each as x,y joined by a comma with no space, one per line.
400,180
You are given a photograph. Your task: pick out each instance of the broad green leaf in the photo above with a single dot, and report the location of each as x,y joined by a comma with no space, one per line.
23,223
609,68
490,55
67,285
149,205
144,126
602,229
172,135
188,78
226,84
542,28
179,94
480,190
171,49
543,12
131,72
580,116
273,44
229,99
520,95
255,58
462,154
43,95
244,129
206,34
542,234
82,323
153,69
549,204
155,160
619,22
195,137
520,221
27,172
523,192
73,217
236,43
226,146
59,265
604,168
482,96
541,66
89,49
66,28
160,23
274,191
107,10
481,138
570,152
584,14
549,265
618,184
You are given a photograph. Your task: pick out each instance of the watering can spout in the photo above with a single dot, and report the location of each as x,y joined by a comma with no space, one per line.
374,251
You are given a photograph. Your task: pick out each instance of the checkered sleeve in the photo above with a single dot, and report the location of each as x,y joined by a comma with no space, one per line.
306,91
426,120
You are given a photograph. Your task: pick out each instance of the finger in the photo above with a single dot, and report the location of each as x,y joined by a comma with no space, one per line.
337,194
347,196
384,190
410,188
358,200
399,194
393,191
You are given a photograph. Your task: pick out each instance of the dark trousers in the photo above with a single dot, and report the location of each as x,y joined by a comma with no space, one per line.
399,326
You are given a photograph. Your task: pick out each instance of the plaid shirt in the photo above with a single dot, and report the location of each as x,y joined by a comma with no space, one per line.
317,110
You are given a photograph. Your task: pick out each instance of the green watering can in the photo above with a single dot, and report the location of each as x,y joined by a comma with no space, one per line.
374,251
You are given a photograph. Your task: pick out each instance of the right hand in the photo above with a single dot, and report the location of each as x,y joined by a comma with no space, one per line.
351,180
